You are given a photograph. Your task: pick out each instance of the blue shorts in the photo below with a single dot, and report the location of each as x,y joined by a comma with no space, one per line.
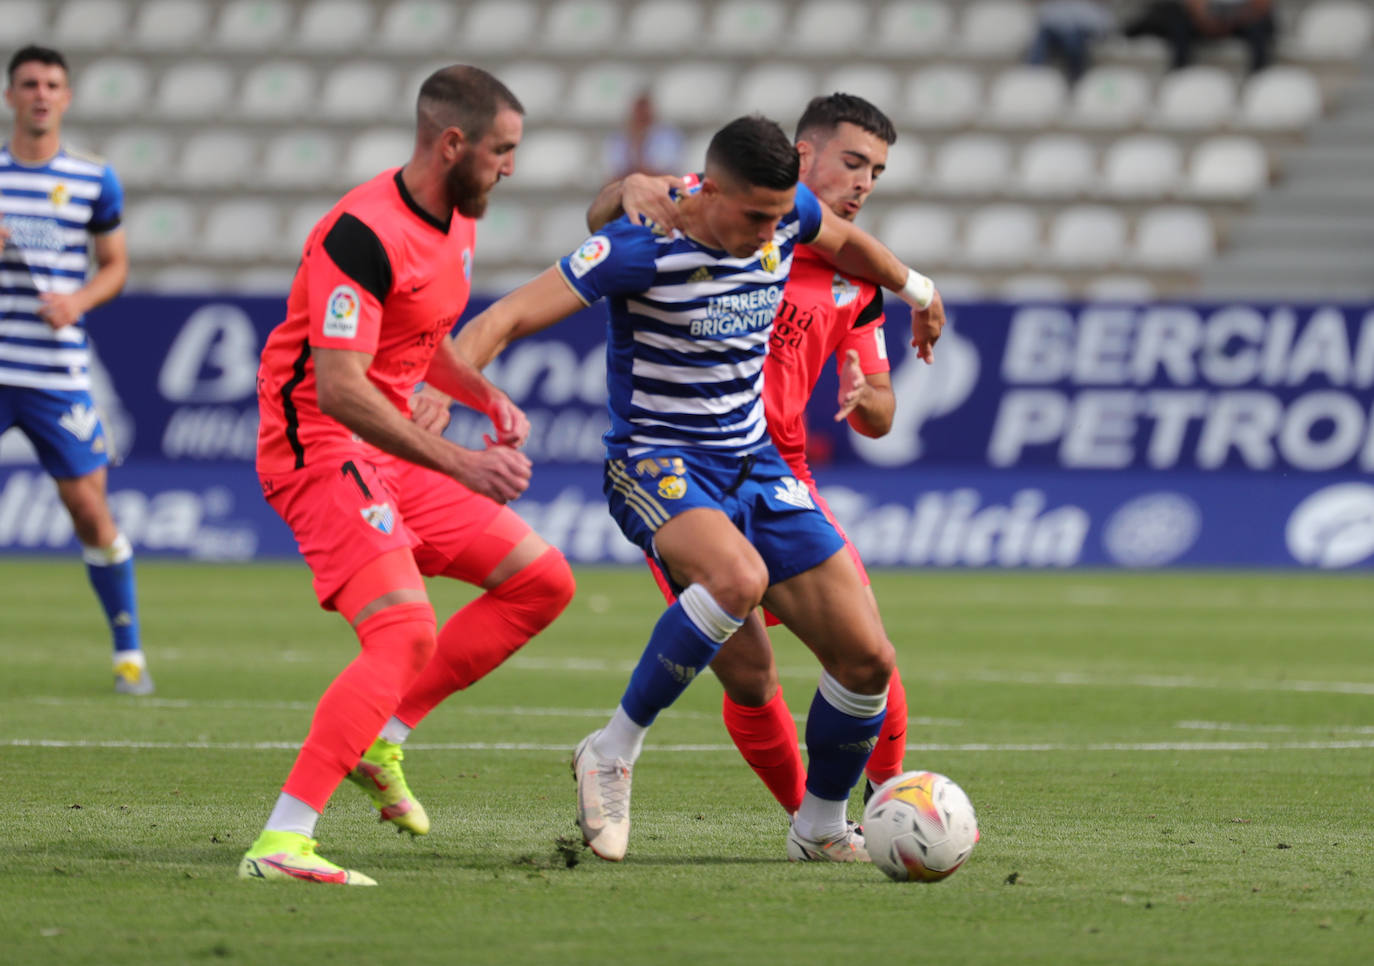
758,493
62,425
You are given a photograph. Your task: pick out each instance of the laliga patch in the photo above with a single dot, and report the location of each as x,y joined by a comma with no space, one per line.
379,517
592,253
341,313
467,264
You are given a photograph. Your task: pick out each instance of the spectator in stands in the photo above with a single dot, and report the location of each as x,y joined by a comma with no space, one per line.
1066,29
1182,24
645,146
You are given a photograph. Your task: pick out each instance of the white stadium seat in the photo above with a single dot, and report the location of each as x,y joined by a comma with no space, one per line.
540,86
561,229
112,88
158,227
1087,236
300,221
914,26
1110,97
22,20
1287,98
1035,288
779,91
504,232
425,26
90,24
906,166
277,90
1195,98
335,25
920,234
1334,29
217,158
581,26
1026,97
171,25
747,26
273,280
666,26
241,230
140,156
194,90
688,92
831,27
552,159
875,84
410,87
1119,288
1142,166
301,159
253,25
498,26
1002,235
973,164
378,150
179,280
602,92
359,90
1228,168
1174,236
996,28
943,97
1057,166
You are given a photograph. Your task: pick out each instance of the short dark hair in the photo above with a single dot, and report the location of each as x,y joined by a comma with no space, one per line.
755,150
464,97
829,111
33,52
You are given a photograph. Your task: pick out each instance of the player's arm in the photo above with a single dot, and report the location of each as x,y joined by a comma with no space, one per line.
112,270
533,307
454,376
646,198
865,397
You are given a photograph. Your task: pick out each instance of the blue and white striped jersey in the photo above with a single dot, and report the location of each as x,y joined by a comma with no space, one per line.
51,210
689,329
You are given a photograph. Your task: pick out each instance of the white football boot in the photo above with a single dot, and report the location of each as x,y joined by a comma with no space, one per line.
848,846
603,800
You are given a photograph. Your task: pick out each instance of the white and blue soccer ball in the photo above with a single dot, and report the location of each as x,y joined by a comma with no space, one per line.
919,827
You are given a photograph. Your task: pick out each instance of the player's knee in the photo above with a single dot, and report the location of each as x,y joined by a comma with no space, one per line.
537,594
868,670
738,585
403,635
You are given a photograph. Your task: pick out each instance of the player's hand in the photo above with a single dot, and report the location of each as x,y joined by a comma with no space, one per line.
430,410
854,386
511,424
4,236
926,326
58,310
645,198
498,472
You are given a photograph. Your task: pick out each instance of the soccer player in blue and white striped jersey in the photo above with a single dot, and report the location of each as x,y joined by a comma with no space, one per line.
693,477
56,208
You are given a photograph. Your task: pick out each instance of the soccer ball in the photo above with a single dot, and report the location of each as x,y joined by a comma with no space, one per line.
919,827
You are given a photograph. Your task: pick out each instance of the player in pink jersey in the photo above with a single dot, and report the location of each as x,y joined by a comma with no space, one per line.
843,141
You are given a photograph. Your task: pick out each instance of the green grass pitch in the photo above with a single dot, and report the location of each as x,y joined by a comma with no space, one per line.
1168,769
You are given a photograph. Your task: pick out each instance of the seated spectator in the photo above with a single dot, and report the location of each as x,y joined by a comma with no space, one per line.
645,146
1182,24
1066,29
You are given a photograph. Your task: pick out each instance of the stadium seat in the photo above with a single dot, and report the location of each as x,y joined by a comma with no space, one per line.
1000,29
832,27
1174,236
664,26
253,25
111,89
1057,166
552,159
158,227
954,287
1087,236
1142,166
179,280
375,151
561,229
1026,97
1034,288
747,26
874,83
1110,98
411,26
410,87
217,158
920,234
1002,235
498,26
601,93
692,93
359,90
1119,288
779,91
171,25
504,233
1228,168
240,230
943,97
22,20
194,90
335,25
1337,29
906,166
1195,98
973,164
914,27
90,24
141,157
277,90
1281,98
540,86
301,159
265,280
300,221
581,26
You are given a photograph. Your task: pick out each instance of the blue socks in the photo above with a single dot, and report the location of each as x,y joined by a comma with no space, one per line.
111,570
841,730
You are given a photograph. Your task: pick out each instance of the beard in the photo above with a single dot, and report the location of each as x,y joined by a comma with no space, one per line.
465,189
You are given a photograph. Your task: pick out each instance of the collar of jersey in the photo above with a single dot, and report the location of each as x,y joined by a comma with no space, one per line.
420,213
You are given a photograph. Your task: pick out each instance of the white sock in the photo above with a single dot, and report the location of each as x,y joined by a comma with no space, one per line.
132,656
395,731
621,738
292,815
819,819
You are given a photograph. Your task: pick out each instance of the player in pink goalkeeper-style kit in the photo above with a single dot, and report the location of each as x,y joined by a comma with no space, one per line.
843,142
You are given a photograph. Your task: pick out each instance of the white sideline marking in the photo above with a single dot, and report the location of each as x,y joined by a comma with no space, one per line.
1273,728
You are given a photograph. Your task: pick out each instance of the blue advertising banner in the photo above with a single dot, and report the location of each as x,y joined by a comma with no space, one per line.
1045,435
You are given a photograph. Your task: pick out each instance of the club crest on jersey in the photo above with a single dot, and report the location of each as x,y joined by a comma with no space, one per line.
467,264
341,313
59,195
769,257
591,254
793,493
379,517
844,291
672,488
702,274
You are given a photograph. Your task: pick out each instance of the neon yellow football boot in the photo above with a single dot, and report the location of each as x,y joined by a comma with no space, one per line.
290,856
379,774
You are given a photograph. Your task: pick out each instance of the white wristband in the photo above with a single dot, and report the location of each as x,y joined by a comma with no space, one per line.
918,290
